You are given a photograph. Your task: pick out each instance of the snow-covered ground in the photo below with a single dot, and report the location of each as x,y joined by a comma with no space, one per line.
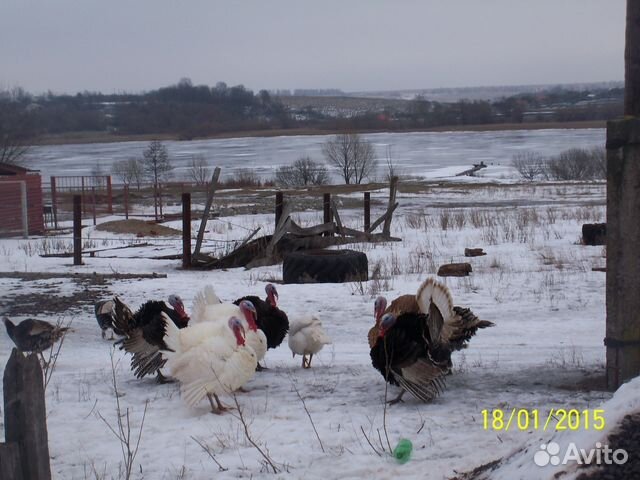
536,283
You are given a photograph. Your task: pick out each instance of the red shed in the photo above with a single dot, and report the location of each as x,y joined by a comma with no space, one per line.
17,185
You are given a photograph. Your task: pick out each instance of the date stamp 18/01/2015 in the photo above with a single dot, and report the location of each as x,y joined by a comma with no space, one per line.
558,419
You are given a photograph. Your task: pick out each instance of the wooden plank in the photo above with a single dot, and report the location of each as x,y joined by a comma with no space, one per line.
207,208
25,416
375,224
49,275
296,229
336,215
393,188
251,235
10,465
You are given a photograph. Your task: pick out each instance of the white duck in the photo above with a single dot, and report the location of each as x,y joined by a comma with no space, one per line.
207,307
209,359
307,337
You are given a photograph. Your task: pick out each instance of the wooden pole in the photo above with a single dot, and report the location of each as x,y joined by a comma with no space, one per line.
326,208
623,229
126,202
10,462
279,201
393,186
54,202
77,230
186,230
109,196
367,211
207,209
632,60
25,416
93,204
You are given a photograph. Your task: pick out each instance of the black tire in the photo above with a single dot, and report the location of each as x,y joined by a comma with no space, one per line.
594,233
325,266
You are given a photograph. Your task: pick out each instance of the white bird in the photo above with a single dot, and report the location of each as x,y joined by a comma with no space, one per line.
307,337
209,359
207,307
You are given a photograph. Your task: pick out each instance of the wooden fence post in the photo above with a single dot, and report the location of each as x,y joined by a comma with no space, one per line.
326,207
367,211
25,415
109,196
393,187
186,230
54,202
207,209
77,230
126,202
93,204
10,462
279,201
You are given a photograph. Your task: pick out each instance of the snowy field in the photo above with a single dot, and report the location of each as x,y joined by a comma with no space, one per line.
536,283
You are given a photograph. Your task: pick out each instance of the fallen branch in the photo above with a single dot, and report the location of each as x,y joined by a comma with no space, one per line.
208,451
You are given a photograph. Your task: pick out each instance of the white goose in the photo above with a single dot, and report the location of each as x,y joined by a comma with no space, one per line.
207,307
209,359
307,337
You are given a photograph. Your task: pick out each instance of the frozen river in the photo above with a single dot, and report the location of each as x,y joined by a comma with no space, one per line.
412,153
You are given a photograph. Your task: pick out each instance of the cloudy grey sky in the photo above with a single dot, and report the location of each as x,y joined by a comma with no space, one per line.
354,45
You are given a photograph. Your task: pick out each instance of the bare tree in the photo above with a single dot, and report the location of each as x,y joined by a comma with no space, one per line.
304,171
353,156
129,171
199,170
155,162
529,165
16,130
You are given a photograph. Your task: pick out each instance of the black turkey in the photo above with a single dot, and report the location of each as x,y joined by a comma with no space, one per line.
144,333
406,356
413,338
270,319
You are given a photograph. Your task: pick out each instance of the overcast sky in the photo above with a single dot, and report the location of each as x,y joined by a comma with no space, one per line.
353,45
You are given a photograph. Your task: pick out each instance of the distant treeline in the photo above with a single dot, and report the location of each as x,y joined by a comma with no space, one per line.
189,111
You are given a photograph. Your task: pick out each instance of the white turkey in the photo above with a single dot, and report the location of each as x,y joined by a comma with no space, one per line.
209,359
307,337
207,307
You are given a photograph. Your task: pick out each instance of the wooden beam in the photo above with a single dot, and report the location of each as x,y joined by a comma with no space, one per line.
393,187
186,230
281,229
207,209
10,464
336,215
632,60
375,224
77,230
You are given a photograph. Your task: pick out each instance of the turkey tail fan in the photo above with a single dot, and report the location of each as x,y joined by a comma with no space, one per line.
422,380
143,365
206,296
468,325
434,299
194,392
123,316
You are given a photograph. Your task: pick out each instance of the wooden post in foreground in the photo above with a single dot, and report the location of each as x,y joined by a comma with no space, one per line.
367,211
77,230
186,230
25,417
623,229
